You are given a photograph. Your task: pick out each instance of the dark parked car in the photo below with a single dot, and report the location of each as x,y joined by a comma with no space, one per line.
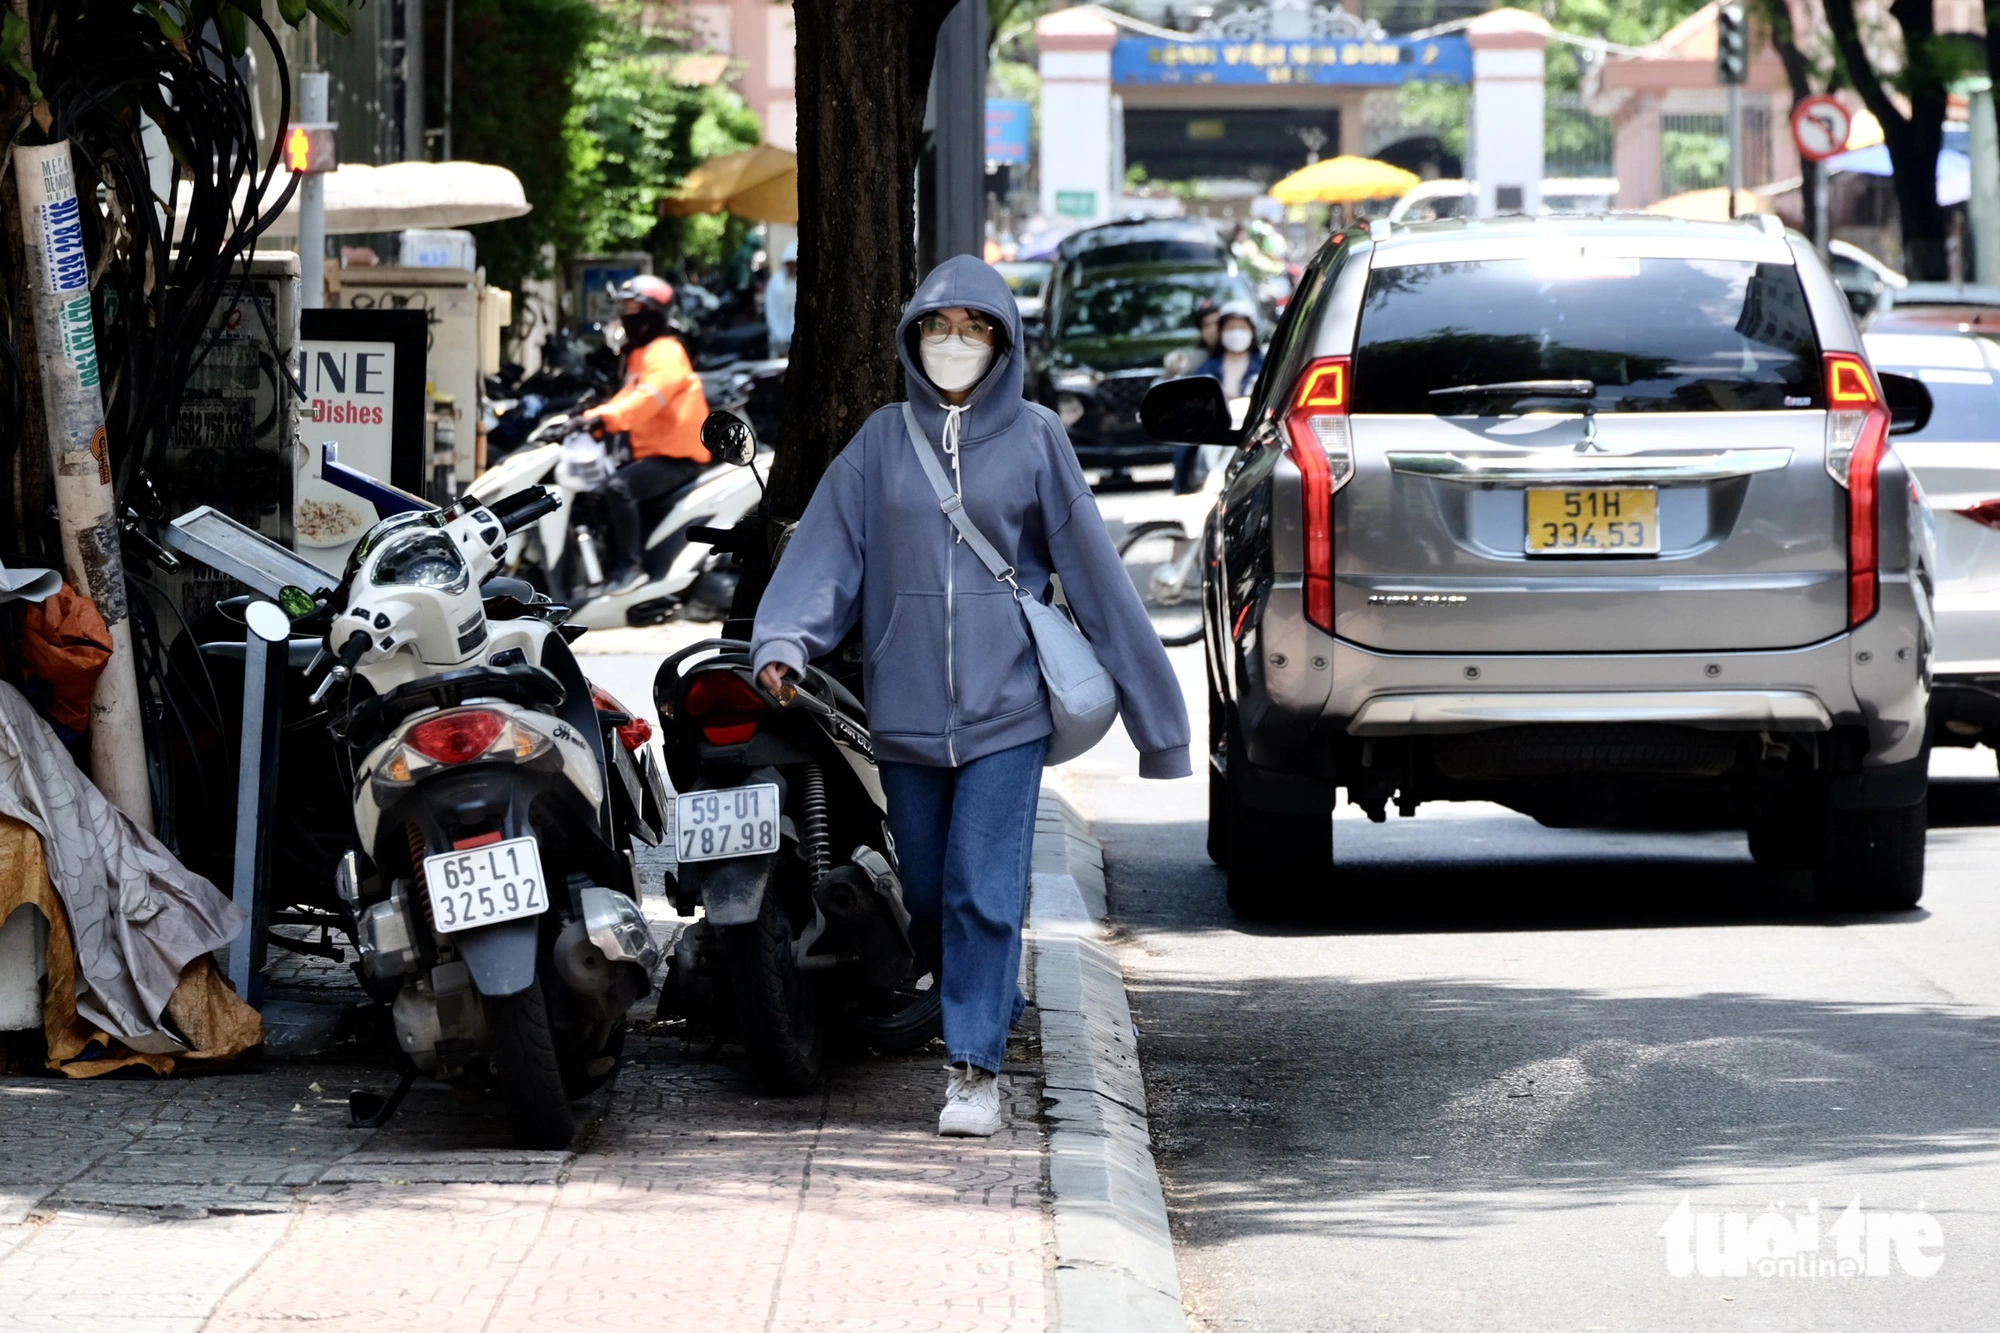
1120,298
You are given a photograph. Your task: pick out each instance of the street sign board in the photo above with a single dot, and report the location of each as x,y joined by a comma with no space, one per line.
1378,61
1820,126
362,373
1076,203
1007,132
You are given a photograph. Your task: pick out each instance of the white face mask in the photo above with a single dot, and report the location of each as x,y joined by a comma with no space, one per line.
1236,338
954,363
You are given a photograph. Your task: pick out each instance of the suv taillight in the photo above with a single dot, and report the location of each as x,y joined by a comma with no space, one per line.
1857,435
728,707
1323,452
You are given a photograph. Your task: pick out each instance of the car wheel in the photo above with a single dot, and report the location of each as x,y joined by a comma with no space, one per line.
1873,860
1279,863
1218,796
1785,840
1218,818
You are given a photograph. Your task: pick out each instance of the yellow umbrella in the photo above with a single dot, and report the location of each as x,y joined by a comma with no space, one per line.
761,184
1710,205
1343,180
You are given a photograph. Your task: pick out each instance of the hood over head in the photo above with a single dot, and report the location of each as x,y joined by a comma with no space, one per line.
995,401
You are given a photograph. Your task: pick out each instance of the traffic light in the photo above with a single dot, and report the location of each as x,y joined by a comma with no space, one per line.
1732,45
309,149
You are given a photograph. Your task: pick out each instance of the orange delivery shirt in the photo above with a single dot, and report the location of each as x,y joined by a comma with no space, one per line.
661,406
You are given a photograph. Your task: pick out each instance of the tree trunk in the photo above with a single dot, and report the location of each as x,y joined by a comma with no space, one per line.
864,68
1914,140
30,528
1798,74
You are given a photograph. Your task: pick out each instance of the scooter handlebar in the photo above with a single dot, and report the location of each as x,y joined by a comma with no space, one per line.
518,510
343,665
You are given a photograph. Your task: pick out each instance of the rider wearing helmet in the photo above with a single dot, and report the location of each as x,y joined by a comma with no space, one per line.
660,408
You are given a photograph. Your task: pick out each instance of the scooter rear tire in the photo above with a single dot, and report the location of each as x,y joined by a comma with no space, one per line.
777,1009
530,1074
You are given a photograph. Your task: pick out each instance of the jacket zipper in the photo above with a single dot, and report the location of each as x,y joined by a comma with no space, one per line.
950,670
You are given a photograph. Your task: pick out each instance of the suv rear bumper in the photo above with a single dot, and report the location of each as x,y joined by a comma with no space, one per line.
1873,677
1857,678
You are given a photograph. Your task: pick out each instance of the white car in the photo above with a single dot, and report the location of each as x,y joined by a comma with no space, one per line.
1956,460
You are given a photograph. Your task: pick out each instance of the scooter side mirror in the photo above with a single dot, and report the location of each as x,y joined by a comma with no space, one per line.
729,438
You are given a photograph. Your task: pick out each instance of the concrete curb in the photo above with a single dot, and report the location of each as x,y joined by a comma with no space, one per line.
1114,1253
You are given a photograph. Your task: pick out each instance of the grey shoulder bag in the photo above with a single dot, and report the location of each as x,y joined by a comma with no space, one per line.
1083,700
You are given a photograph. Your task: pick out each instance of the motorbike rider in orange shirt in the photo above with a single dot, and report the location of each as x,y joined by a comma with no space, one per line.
660,409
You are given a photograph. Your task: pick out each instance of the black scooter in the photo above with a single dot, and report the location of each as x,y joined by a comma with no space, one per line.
783,841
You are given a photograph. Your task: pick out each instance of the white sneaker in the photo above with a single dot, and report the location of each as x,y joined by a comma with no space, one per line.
971,1104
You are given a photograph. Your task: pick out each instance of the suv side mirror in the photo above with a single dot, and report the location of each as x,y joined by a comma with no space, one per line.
1909,403
729,438
1187,411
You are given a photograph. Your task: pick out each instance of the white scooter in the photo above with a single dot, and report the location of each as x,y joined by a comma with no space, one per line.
496,793
567,559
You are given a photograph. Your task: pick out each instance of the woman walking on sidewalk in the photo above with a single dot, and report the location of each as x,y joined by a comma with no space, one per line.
955,696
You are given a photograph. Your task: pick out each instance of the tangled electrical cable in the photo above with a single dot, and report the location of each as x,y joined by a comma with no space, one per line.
110,71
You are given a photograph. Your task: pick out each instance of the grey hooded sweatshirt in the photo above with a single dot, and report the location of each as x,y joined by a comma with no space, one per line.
950,672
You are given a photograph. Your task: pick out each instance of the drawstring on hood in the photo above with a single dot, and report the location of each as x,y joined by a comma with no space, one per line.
954,418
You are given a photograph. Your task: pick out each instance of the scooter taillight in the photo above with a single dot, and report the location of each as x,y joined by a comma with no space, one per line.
635,731
458,737
726,705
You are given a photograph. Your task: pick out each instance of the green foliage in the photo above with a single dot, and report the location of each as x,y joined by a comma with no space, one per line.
1620,22
513,76
1691,160
1441,108
632,134
13,35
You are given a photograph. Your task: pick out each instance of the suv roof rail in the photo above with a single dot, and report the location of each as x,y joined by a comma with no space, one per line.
1768,223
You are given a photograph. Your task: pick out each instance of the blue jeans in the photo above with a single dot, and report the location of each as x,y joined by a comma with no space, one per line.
965,838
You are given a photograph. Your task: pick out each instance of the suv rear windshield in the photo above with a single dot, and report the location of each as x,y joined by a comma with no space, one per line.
1652,335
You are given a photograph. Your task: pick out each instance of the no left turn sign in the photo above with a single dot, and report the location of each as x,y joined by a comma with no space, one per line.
1819,127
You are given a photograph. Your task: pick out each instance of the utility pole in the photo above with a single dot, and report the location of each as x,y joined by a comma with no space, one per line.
1983,207
958,90
449,16
1732,68
80,456
312,190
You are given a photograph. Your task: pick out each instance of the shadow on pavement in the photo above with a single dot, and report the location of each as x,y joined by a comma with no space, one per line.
1477,875
1303,1098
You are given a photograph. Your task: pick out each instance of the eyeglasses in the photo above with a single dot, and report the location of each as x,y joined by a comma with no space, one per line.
977,328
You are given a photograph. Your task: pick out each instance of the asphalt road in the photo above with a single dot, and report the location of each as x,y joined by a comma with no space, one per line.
1473,1093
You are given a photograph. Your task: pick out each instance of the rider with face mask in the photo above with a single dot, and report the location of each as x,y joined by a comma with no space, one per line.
1236,363
955,698
660,407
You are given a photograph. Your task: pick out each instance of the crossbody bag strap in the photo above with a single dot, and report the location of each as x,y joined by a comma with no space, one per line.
950,504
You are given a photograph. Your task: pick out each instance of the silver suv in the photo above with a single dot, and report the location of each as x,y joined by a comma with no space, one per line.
1595,518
